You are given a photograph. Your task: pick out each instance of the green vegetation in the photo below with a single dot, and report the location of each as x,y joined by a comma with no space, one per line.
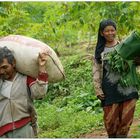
73,109
66,23
122,62
70,28
136,128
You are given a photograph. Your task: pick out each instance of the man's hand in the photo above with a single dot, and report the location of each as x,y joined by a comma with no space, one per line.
42,58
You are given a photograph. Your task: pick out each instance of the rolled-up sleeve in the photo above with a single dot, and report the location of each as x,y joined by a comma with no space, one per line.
38,87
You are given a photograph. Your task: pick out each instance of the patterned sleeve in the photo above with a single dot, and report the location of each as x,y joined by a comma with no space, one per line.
97,76
38,87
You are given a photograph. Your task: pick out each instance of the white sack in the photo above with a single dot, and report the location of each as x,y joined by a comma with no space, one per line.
26,51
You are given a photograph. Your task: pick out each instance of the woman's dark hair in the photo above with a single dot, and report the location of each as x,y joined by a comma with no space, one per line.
101,40
6,53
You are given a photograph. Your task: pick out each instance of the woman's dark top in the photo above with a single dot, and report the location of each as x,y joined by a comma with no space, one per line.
114,92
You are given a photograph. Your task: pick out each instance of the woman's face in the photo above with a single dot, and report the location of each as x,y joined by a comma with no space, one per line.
109,33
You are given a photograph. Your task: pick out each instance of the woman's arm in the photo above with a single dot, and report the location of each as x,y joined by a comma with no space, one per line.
97,76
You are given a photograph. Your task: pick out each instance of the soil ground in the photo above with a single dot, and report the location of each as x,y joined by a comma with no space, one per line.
101,133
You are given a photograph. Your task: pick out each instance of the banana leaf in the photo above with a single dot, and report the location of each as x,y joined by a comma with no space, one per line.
130,47
121,60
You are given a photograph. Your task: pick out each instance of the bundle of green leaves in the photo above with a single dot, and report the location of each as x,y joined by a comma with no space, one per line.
121,60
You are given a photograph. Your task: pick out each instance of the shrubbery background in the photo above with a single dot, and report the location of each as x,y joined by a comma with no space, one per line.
70,28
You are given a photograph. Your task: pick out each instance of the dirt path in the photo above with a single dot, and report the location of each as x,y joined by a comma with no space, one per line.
134,130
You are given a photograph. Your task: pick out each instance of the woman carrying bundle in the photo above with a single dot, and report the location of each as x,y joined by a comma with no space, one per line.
118,102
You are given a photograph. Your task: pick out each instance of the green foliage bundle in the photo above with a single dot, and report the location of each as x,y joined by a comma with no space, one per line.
122,58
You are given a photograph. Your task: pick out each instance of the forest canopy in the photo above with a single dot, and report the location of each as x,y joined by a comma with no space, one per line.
66,23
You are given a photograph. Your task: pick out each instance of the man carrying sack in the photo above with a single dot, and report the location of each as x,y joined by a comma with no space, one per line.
16,94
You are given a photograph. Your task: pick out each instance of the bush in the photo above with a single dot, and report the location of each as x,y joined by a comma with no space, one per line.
70,108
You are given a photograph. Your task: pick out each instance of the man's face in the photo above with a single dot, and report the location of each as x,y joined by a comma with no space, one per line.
7,71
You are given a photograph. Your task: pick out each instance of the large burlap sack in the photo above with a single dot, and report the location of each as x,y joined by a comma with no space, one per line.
26,51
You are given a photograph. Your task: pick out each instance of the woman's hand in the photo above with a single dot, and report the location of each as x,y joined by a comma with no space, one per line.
101,96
